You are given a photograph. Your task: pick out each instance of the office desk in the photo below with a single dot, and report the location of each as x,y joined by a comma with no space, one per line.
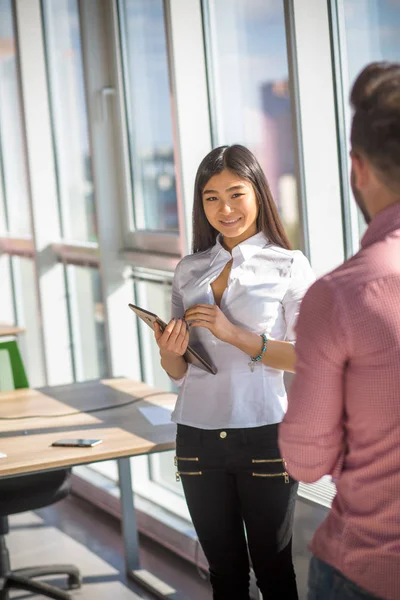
10,330
125,432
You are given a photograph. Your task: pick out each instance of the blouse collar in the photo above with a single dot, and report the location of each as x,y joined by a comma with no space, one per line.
246,249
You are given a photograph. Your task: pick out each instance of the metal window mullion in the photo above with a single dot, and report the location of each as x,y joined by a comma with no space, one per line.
52,125
296,124
140,339
136,196
122,98
100,65
211,54
70,322
3,189
310,56
339,55
9,312
189,93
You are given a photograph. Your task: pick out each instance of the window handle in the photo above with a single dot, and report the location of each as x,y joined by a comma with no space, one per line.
105,93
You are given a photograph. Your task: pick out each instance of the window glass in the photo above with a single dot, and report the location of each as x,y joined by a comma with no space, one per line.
250,99
371,33
155,474
157,296
70,125
148,108
15,217
28,316
7,308
87,323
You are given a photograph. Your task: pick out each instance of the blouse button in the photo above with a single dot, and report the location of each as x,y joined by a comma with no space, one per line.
223,434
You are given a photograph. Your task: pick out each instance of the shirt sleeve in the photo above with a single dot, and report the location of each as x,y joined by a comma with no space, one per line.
301,278
177,312
177,308
311,436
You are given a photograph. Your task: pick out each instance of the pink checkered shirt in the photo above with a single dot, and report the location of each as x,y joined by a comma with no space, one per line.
344,408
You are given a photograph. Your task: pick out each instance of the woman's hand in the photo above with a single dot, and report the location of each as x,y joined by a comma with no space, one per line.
174,340
212,318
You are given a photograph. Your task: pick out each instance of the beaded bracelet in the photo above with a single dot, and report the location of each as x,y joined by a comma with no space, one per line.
259,357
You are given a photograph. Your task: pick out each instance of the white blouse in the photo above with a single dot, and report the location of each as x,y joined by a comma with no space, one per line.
265,288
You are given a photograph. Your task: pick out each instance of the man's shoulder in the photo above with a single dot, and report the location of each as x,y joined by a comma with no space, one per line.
342,281
350,279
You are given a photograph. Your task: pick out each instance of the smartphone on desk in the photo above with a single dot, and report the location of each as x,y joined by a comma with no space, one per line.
77,443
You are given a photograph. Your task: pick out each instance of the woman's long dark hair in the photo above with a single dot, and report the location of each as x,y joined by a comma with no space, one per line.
241,161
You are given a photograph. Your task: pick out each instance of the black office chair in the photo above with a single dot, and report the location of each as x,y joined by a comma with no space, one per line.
30,492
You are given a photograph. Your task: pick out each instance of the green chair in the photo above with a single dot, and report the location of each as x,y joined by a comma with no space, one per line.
12,370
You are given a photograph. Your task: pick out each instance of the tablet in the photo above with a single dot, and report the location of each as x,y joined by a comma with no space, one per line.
191,356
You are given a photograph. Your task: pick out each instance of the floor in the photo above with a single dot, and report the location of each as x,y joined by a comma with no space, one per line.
75,531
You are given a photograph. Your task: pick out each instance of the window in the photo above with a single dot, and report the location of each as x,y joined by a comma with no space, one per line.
87,322
369,31
69,116
154,477
372,30
149,122
28,316
72,153
250,100
157,295
19,301
13,180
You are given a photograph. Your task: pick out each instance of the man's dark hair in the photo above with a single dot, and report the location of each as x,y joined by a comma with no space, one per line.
375,132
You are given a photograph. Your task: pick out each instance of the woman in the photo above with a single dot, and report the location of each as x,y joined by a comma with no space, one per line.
239,294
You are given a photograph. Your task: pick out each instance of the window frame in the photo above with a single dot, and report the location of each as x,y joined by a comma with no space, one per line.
63,207
135,238
214,100
343,115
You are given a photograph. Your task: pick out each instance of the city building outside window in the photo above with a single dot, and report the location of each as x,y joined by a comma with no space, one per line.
251,105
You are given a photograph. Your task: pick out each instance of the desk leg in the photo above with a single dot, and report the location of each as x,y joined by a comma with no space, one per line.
131,540
129,526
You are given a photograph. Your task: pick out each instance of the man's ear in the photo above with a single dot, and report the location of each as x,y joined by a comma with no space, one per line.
359,168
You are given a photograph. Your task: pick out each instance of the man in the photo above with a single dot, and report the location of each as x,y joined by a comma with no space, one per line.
344,404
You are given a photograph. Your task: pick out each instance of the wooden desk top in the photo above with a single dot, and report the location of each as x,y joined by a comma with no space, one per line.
10,330
125,431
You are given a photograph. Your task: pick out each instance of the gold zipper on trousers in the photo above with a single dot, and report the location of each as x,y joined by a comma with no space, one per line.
267,460
176,458
178,474
285,475
187,459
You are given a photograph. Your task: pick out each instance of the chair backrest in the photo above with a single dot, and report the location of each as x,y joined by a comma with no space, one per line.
11,365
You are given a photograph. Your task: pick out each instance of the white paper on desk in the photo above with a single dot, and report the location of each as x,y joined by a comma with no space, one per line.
157,415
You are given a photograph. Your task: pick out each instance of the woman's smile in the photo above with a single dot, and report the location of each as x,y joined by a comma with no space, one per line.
230,222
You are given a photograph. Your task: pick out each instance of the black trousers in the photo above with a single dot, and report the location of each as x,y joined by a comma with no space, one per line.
241,501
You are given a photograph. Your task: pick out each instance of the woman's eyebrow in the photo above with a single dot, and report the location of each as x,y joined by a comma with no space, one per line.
230,189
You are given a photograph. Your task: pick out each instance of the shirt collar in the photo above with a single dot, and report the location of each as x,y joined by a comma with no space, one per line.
245,249
386,221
